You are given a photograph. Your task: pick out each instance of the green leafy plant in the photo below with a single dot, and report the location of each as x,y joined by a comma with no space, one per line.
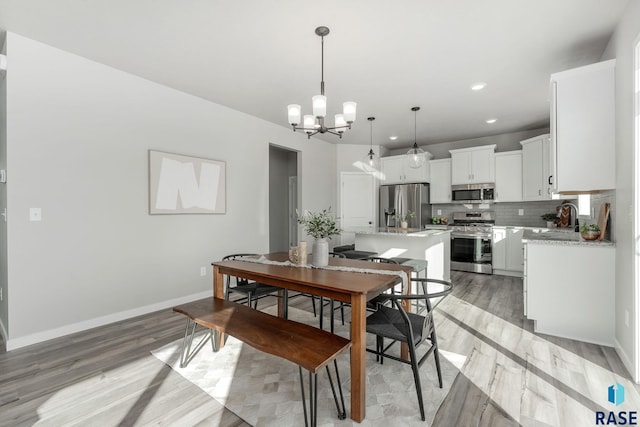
320,225
549,216
408,216
586,228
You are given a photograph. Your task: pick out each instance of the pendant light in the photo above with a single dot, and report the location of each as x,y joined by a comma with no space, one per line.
372,160
415,156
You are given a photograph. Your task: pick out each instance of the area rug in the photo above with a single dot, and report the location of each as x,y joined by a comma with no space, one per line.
264,390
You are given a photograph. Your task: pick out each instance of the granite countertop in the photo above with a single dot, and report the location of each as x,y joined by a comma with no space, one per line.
547,236
409,232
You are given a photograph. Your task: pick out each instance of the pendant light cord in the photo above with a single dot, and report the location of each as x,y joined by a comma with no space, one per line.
322,65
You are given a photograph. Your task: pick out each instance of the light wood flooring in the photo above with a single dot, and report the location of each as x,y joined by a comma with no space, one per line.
509,375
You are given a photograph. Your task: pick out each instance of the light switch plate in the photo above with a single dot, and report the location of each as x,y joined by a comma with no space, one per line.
35,214
520,212
439,212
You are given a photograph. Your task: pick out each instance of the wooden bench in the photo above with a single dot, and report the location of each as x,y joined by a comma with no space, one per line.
308,347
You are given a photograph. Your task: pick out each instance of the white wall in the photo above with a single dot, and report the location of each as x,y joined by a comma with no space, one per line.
621,47
78,135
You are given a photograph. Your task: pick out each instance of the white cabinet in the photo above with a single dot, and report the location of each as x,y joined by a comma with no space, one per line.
395,170
508,176
583,127
570,291
508,251
537,176
440,184
473,165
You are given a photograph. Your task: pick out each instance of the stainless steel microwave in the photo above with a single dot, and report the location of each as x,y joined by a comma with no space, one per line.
472,193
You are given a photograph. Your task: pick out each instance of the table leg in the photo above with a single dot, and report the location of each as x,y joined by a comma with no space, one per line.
218,292
358,357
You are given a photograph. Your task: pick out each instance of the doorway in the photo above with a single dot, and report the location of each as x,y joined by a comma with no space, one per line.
357,204
283,198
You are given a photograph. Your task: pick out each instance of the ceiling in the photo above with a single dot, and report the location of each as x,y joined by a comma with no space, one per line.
257,56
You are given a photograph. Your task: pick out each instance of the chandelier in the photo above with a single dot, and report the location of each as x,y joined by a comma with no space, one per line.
415,156
314,123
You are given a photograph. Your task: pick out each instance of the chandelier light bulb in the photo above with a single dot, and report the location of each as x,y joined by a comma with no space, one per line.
319,105
340,123
349,110
309,123
294,111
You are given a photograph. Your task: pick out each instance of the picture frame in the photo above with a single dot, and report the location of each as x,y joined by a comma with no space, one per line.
181,184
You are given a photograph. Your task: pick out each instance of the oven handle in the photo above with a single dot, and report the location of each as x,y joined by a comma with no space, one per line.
470,236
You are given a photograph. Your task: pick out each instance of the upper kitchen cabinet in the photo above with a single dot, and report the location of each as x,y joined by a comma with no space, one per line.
440,184
508,176
395,170
473,165
583,128
537,174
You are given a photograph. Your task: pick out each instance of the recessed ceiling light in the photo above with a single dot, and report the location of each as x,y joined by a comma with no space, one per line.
393,138
490,121
478,86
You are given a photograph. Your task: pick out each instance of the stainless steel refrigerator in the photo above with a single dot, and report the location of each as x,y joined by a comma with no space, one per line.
396,201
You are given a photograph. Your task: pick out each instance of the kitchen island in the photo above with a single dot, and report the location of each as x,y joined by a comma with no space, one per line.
569,285
432,245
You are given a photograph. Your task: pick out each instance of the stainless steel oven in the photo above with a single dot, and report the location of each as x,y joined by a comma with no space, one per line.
471,241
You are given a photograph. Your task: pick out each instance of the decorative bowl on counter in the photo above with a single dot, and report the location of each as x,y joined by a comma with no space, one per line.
590,231
590,235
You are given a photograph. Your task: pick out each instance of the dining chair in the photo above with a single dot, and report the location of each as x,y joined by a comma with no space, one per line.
373,303
252,291
331,302
379,299
413,329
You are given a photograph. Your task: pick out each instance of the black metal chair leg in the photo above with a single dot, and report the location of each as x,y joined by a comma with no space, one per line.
416,377
436,356
321,311
332,314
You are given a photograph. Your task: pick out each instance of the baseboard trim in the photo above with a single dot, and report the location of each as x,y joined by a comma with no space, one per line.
626,361
13,344
500,272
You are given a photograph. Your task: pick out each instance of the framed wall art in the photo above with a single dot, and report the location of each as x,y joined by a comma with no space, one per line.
181,184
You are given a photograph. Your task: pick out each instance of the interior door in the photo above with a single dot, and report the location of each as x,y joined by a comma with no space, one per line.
357,201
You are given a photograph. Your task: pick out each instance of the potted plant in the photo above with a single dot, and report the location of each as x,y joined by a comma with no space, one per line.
320,226
550,218
404,220
590,231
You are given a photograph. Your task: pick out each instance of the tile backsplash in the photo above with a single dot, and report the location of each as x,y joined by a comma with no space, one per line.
507,213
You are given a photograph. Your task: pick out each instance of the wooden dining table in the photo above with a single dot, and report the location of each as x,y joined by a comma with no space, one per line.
353,287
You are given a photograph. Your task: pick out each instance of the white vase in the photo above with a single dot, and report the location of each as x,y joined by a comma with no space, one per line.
320,253
404,224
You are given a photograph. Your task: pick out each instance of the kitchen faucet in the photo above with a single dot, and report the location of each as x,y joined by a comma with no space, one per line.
575,218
